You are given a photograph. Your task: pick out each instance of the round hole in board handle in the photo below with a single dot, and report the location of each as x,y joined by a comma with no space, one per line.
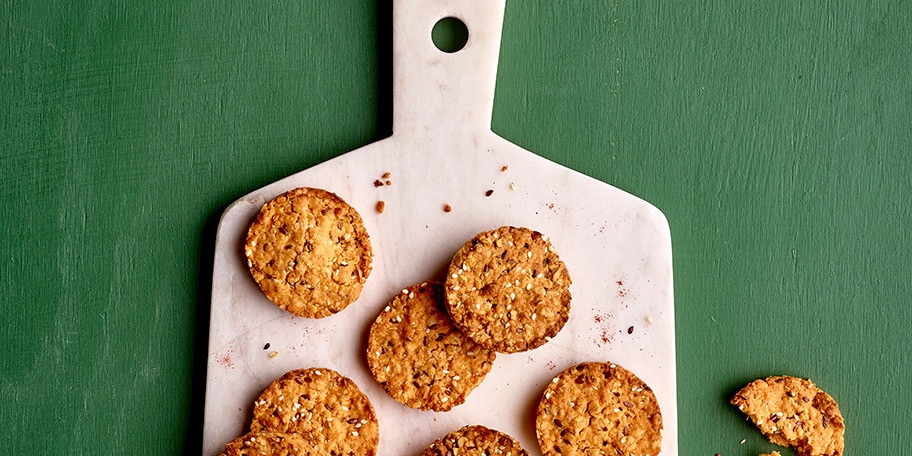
450,34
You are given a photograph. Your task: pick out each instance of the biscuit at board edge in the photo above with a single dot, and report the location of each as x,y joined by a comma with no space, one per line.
576,416
309,252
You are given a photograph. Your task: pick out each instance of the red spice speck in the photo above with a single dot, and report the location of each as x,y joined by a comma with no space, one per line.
503,168
378,183
630,330
225,360
489,192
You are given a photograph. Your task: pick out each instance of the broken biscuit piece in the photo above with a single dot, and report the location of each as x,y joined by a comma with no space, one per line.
793,412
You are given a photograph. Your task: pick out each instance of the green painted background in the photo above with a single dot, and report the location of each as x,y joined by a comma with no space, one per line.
774,135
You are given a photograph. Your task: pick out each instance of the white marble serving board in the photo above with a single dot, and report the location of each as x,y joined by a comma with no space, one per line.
616,246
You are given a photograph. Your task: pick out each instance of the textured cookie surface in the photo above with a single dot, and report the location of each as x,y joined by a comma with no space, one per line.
598,408
475,441
794,412
324,408
419,357
309,252
508,290
264,443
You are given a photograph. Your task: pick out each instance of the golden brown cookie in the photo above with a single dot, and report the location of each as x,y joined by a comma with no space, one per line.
266,443
475,441
774,453
419,357
324,408
309,252
794,412
508,290
598,408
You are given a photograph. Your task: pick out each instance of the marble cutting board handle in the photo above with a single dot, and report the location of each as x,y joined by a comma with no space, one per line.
434,91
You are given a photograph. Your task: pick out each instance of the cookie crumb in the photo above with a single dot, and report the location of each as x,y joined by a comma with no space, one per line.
273,354
378,183
380,206
503,168
386,175
447,208
512,185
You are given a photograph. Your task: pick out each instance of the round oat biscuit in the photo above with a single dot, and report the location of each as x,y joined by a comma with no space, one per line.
598,408
309,252
419,357
475,440
266,443
794,412
321,406
508,290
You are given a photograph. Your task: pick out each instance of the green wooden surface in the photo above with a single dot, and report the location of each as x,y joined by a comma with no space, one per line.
774,135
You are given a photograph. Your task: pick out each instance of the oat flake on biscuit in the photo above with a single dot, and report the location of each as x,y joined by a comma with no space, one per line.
309,252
